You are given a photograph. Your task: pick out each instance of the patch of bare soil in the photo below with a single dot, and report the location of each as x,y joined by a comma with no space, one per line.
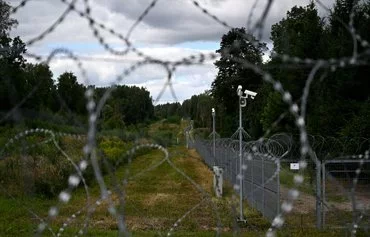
154,199
143,223
306,203
303,205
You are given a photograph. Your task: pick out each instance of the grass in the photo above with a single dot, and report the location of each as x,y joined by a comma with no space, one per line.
15,218
338,198
286,179
154,200
164,199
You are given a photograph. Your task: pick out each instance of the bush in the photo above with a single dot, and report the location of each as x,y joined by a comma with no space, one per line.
164,138
31,167
173,119
34,175
113,148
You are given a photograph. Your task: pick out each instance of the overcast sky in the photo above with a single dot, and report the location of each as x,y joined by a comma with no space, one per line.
172,30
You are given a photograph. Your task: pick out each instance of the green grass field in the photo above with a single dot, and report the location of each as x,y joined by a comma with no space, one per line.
155,199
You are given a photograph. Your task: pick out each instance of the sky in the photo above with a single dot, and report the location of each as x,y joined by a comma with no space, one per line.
172,29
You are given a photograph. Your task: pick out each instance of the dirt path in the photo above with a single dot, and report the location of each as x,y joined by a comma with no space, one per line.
306,203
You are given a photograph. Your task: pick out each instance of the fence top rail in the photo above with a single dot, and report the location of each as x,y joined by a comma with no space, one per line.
345,161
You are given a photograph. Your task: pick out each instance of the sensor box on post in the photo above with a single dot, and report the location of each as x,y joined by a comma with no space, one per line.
217,180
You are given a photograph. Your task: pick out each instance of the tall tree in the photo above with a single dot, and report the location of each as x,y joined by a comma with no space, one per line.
236,46
71,93
299,33
335,100
127,105
6,23
348,87
204,108
39,76
12,84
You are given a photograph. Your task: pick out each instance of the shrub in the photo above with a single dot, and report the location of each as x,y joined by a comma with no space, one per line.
173,119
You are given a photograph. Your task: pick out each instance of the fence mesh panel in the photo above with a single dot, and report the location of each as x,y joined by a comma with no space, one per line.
260,179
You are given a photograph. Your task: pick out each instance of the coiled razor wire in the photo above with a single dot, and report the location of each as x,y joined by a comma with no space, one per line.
274,148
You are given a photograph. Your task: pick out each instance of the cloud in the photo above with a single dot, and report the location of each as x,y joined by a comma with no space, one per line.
169,22
187,80
165,33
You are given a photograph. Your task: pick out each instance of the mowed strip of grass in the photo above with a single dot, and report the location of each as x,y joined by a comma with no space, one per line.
155,201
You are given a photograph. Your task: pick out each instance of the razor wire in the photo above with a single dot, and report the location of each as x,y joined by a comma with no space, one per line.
262,161
265,150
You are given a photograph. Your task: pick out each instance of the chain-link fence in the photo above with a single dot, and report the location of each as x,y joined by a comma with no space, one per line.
330,187
260,171
256,163
346,193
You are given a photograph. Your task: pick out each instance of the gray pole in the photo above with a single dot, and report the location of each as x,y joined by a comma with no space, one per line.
252,186
214,135
263,186
242,103
278,189
318,194
240,163
323,193
187,139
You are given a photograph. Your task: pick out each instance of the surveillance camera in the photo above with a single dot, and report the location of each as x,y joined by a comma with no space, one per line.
250,93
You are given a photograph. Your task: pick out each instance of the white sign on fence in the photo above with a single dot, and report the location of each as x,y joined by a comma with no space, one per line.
294,166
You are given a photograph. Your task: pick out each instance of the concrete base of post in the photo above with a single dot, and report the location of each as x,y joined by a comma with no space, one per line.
243,220
218,180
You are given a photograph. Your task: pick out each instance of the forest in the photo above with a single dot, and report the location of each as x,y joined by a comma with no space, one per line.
30,94
339,102
77,158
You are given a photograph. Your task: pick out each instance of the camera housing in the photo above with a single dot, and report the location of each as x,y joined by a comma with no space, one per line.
252,94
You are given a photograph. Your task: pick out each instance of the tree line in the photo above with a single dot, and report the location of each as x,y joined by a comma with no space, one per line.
31,90
338,102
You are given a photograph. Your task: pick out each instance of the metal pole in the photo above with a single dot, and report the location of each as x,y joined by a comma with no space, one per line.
263,186
323,193
318,194
278,189
252,186
240,164
242,103
214,135
187,139
236,168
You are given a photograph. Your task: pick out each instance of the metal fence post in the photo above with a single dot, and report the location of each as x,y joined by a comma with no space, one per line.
278,188
323,193
252,168
214,135
187,139
318,195
240,165
236,167
263,185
